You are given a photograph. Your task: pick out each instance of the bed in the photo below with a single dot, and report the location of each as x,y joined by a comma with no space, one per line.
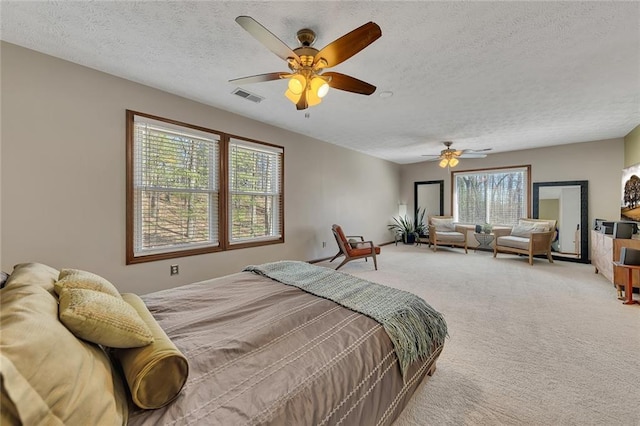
258,351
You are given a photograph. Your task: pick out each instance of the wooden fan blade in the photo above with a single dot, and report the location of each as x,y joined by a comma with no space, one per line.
302,103
266,37
349,84
260,78
476,150
472,155
348,45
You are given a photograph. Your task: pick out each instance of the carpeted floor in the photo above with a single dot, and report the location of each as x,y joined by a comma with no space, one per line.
547,344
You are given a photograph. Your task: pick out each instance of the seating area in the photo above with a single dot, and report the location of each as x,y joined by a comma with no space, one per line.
353,247
443,232
529,237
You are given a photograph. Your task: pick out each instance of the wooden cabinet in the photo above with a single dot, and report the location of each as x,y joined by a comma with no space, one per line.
605,250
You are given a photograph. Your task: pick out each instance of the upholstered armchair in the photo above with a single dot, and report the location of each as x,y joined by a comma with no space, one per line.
443,232
353,247
529,237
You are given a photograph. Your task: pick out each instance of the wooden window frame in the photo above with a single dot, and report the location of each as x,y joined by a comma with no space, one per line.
223,195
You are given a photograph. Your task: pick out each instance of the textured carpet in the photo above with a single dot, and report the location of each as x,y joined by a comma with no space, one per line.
547,344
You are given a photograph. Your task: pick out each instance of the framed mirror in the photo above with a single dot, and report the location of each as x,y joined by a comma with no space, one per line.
429,195
567,203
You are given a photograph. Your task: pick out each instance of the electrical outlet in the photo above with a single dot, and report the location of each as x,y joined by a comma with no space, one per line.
324,244
175,269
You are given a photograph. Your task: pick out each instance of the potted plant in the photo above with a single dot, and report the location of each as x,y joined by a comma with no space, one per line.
420,227
404,226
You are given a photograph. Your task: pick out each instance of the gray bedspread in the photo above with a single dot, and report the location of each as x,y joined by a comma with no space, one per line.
264,353
415,328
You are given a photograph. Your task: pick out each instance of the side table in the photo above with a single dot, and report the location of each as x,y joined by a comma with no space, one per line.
484,240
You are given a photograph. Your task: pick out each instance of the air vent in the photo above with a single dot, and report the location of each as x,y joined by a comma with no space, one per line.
247,95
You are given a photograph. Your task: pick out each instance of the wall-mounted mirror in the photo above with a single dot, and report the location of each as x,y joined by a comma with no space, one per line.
567,203
429,195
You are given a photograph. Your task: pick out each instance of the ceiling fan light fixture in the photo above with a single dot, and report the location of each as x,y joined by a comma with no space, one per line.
312,98
319,86
443,163
293,97
453,162
297,83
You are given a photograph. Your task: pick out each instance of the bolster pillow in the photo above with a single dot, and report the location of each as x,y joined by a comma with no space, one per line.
157,372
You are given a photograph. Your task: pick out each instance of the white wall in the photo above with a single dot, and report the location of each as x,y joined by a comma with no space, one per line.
599,162
63,177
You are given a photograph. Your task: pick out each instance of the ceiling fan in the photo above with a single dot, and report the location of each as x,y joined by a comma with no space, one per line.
449,157
308,84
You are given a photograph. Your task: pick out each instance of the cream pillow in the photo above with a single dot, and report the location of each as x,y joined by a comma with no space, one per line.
75,278
33,273
525,228
155,373
443,224
103,319
49,376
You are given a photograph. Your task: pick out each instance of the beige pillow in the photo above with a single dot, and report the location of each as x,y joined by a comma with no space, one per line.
443,224
75,278
49,376
524,229
33,273
155,373
103,319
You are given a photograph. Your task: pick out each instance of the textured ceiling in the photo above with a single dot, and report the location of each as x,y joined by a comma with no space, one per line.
504,75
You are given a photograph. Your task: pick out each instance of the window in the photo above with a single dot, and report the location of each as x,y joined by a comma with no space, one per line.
495,196
180,203
254,191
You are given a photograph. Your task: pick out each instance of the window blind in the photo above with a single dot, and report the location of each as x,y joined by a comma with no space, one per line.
176,187
255,191
498,196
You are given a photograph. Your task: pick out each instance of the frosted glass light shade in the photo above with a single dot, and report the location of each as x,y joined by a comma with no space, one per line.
297,84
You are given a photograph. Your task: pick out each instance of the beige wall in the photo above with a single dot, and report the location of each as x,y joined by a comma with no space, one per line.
598,162
632,147
550,209
63,176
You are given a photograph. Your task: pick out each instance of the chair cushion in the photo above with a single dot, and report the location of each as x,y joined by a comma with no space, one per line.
364,251
449,236
443,224
514,242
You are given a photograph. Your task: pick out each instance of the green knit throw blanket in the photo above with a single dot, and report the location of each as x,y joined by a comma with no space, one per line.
414,327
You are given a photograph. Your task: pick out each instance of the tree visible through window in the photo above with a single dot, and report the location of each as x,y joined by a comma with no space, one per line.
495,196
176,205
254,188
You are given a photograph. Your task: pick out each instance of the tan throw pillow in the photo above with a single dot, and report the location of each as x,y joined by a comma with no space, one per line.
33,273
103,319
524,229
49,376
155,373
75,278
443,224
